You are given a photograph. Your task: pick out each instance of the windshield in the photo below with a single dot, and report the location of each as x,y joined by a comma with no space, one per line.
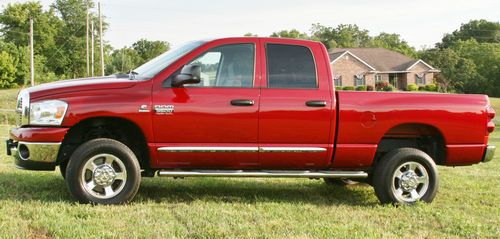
149,69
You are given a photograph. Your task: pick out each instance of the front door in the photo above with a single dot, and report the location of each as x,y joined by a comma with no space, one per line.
296,107
213,123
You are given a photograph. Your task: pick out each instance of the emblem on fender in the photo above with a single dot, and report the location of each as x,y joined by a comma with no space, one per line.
167,109
143,108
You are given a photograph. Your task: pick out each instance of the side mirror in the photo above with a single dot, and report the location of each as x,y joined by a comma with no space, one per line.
190,74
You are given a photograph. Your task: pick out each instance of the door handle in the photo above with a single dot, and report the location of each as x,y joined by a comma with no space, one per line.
316,103
242,102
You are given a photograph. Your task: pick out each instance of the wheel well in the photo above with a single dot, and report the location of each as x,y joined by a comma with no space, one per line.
420,136
118,129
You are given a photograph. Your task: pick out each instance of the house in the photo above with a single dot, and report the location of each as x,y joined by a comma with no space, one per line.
367,66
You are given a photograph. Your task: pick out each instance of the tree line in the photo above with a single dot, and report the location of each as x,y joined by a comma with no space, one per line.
469,58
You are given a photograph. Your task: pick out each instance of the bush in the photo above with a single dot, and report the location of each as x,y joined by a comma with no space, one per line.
361,88
412,87
421,88
348,88
389,87
431,87
338,87
381,85
370,88
7,70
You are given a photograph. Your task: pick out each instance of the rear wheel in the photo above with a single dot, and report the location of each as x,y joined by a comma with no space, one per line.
405,176
103,171
62,169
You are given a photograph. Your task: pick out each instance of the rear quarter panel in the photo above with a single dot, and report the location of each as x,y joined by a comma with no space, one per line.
365,117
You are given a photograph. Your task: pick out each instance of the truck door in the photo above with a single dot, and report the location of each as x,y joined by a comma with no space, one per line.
296,106
213,124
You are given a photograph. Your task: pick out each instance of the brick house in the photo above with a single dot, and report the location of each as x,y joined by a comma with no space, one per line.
366,66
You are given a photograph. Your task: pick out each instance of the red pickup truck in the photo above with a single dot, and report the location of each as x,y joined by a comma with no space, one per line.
244,107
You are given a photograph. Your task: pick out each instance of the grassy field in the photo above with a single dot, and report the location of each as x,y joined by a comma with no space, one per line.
7,104
38,205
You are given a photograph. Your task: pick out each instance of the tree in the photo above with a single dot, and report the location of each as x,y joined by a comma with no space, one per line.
7,70
480,30
123,60
343,36
249,34
486,57
457,73
148,50
395,43
294,33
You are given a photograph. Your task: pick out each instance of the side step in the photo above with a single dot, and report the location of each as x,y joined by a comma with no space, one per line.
264,174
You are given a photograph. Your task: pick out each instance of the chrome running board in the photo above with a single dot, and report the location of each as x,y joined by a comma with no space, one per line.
263,173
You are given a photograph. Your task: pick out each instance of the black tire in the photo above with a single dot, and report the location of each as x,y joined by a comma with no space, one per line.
62,169
386,183
123,163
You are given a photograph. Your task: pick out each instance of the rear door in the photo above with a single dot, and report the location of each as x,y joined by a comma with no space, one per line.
296,106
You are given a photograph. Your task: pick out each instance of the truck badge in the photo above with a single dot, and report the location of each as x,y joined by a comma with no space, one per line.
143,108
167,109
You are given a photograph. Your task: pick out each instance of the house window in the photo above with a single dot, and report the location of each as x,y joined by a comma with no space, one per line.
337,80
359,80
420,78
378,78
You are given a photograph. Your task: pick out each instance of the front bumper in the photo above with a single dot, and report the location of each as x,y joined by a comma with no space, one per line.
33,156
489,153
35,148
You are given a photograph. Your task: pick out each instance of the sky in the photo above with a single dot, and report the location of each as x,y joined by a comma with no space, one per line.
421,23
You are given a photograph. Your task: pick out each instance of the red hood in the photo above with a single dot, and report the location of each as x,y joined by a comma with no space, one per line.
83,84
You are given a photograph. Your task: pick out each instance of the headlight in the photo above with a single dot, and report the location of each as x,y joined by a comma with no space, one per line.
47,112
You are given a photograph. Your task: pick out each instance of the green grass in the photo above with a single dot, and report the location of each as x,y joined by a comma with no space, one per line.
7,104
38,205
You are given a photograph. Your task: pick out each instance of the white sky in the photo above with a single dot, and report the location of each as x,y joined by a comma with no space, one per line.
420,22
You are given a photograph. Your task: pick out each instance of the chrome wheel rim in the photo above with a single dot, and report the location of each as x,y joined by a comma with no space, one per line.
410,182
103,176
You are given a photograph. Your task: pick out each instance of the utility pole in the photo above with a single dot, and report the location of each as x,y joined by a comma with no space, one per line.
32,55
87,40
92,47
100,38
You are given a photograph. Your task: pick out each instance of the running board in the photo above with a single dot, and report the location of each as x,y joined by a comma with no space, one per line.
263,174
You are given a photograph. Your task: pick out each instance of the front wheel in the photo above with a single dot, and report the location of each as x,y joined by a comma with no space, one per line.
405,176
103,171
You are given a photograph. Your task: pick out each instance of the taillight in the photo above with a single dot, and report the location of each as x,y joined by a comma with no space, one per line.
491,114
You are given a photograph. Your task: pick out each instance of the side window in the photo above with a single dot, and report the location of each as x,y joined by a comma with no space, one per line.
290,66
227,66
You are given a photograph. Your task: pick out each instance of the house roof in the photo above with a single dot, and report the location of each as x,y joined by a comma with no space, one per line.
379,59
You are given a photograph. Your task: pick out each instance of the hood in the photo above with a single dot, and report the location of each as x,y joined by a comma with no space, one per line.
82,84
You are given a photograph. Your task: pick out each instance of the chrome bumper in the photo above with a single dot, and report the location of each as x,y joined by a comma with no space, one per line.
34,155
489,153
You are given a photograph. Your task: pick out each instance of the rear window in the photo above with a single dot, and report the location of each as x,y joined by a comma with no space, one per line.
290,66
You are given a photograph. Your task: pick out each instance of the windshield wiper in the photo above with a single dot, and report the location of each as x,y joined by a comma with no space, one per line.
132,74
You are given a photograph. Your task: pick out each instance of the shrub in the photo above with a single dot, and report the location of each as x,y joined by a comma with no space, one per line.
338,87
412,87
389,87
348,88
361,88
370,88
431,87
7,70
381,85
421,88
